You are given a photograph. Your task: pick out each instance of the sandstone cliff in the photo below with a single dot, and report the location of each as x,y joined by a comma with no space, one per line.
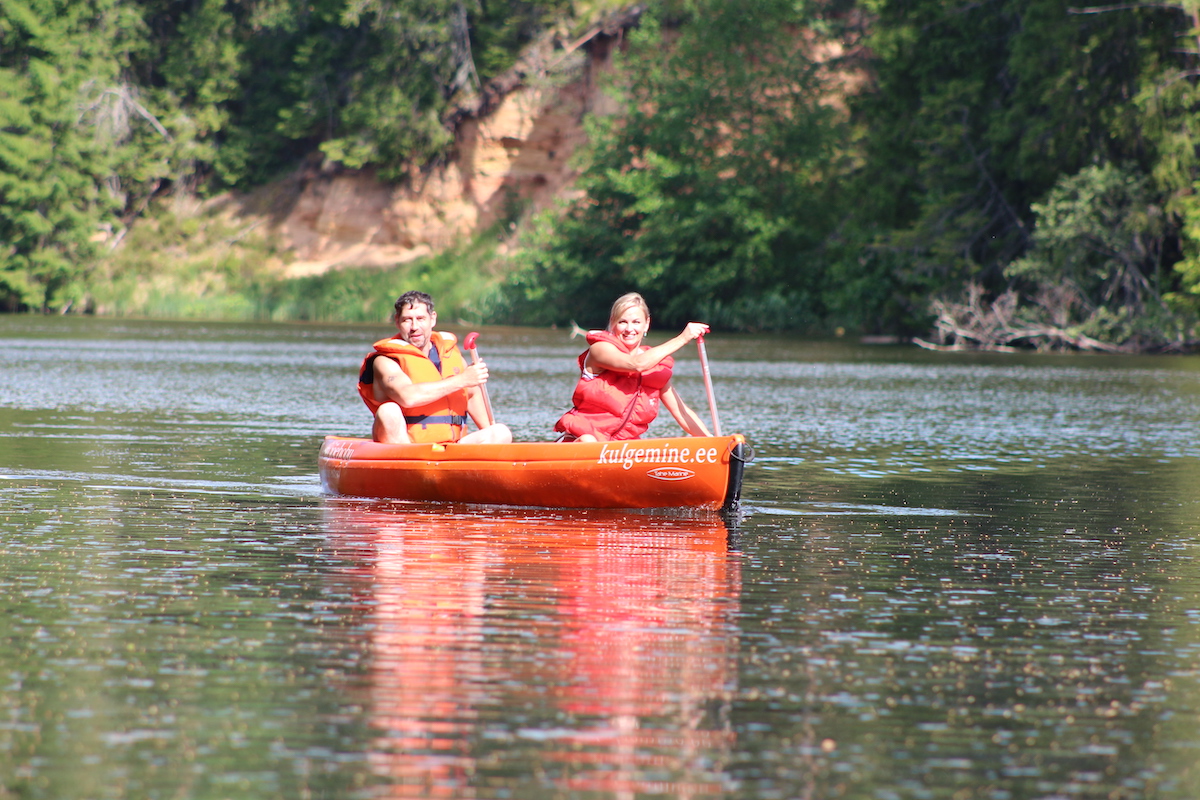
513,146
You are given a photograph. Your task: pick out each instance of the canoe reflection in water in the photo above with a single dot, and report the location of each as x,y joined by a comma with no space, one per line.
516,653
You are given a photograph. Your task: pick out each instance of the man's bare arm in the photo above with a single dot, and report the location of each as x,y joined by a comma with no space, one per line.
392,383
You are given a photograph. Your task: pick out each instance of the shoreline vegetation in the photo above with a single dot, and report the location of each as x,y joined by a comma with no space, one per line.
222,270
1018,175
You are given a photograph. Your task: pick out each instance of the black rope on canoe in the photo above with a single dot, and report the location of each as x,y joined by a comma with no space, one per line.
739,453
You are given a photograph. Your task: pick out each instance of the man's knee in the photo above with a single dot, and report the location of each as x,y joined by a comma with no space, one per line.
390,427
497,433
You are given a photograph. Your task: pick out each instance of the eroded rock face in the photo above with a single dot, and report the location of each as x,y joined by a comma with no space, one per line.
514,156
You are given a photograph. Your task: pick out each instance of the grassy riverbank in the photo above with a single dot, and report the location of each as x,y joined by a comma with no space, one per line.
204,264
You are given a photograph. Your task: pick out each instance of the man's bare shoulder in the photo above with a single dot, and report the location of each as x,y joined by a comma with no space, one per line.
388,368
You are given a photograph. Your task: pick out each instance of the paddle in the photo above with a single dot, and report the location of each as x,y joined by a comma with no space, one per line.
469,346
712,401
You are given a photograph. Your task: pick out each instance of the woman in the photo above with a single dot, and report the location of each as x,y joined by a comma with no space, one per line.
622,380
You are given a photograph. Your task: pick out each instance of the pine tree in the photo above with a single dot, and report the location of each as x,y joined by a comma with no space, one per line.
77,145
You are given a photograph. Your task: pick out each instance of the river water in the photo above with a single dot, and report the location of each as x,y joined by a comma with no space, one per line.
957,576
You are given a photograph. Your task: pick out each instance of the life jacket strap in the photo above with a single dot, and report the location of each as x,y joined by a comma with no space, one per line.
436,419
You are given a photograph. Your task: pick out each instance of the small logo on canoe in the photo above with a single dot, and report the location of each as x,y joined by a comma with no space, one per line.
670,473
338,451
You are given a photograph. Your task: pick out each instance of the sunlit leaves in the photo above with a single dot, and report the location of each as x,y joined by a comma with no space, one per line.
1099,233
710,193
80,143
980,108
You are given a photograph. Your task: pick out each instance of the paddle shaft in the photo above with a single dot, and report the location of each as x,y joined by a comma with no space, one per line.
712,400
487,403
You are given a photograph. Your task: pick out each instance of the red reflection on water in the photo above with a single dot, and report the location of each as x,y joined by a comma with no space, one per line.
598,648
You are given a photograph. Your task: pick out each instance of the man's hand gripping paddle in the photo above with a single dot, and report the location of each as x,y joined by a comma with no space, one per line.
469,346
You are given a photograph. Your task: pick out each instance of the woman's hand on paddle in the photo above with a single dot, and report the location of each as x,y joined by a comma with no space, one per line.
605,355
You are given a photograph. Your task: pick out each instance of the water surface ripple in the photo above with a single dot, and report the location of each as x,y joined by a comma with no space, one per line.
958,576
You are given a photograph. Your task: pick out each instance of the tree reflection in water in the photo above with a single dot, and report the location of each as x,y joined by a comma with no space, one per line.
534,651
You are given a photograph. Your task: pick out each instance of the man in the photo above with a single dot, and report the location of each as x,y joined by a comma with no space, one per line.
420,388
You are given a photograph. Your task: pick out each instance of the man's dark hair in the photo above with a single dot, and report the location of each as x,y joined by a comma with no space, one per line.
411,299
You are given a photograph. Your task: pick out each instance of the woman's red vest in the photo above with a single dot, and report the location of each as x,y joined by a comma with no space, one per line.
443,420
615,405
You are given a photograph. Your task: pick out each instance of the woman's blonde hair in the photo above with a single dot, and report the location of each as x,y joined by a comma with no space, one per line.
624,302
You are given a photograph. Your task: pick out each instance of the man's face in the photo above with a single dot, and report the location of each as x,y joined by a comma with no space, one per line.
415,322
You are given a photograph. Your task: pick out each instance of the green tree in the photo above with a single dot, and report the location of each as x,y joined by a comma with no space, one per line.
1170,119
1093,278
416,62
1100,233
55,178
1095,267
394,102
712,192
296,63
977,110
366,83
83,146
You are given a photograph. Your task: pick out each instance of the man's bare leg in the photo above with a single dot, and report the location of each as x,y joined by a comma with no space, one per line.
492,434
390,427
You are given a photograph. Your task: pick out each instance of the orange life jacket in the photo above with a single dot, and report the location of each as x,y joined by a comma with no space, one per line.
615,405
443,420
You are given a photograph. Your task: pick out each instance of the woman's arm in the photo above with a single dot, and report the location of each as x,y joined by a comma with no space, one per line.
684,415
606,355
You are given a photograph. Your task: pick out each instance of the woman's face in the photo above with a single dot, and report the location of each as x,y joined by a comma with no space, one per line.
631,326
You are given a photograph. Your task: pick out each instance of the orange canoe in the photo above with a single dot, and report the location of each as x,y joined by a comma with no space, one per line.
686,472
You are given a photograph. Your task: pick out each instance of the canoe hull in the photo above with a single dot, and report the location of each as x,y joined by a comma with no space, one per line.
693,472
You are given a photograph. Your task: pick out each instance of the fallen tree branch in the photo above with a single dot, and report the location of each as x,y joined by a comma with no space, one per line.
978,324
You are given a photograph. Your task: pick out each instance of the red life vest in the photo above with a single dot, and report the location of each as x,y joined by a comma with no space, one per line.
443,420
615,405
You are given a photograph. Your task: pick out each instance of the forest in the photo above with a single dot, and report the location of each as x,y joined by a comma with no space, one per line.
965,173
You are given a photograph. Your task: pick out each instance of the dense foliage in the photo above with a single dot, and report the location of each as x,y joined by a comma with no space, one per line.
1005,172
1031,151
1016,150
106,103
712,193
